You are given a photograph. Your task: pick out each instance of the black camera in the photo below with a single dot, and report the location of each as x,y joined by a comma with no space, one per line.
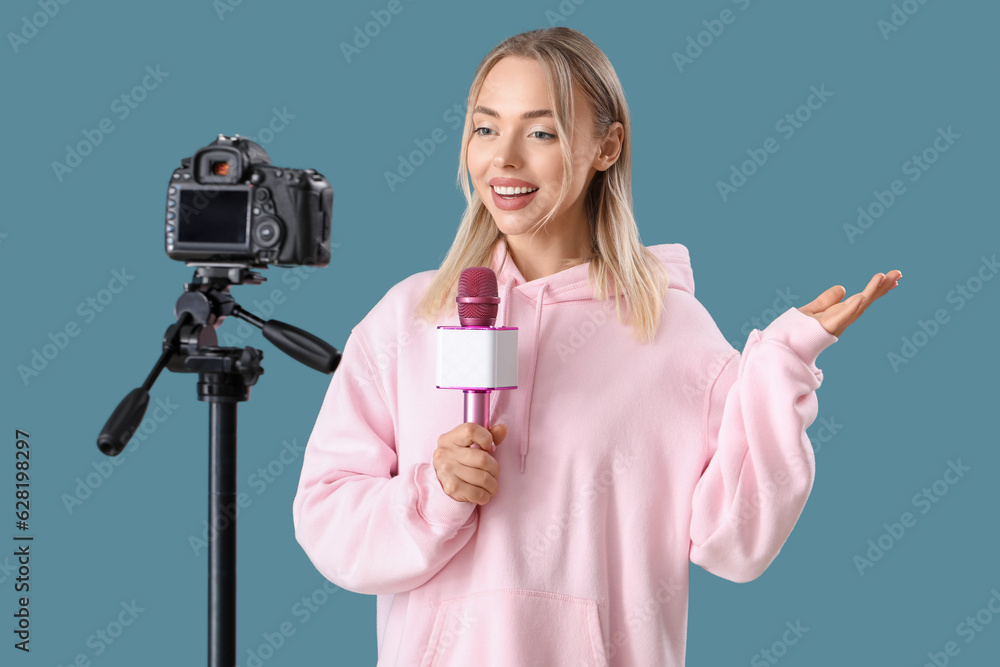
228,205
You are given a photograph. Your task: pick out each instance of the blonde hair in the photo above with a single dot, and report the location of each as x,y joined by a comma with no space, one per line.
619,262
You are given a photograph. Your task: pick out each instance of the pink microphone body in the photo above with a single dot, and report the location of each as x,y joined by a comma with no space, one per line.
477,357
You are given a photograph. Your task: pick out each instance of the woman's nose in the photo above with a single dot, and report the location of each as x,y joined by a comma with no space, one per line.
508,152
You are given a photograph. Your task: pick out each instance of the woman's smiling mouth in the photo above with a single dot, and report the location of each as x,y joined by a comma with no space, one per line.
511,193
518,197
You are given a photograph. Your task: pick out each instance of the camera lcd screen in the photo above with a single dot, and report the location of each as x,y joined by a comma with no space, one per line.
213,216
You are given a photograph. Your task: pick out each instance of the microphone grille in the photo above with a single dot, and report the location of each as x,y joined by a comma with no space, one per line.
478,281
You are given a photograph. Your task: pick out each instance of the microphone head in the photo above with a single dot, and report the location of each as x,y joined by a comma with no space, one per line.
477,297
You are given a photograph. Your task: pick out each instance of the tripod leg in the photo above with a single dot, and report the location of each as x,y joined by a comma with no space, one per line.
222,535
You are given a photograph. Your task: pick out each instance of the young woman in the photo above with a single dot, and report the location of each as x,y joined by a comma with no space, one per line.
637,438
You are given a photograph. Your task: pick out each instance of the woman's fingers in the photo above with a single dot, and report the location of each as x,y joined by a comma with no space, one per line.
880,284
829,297
478,477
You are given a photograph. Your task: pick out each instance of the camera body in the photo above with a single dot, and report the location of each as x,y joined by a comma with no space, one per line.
228,205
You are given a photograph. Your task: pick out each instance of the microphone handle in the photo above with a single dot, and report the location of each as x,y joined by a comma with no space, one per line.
477,408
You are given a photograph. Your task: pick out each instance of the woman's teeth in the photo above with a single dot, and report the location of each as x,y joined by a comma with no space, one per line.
512,191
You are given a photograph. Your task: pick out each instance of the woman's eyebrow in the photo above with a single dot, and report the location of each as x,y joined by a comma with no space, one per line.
527,115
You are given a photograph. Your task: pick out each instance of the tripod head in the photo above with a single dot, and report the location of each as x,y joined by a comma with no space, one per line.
190,346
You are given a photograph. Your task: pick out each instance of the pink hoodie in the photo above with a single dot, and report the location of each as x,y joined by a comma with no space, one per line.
622,462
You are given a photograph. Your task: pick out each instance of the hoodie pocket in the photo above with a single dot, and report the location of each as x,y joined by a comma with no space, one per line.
513,627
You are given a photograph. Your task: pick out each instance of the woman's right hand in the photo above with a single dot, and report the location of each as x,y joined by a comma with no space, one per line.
466,473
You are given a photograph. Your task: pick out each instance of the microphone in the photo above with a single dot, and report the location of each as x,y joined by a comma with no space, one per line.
477,357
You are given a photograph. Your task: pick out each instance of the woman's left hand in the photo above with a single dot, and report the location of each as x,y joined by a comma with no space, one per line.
835,315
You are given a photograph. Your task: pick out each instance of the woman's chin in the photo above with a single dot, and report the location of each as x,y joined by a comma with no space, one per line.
509,229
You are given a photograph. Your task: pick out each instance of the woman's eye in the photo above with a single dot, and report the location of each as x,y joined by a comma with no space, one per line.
545,135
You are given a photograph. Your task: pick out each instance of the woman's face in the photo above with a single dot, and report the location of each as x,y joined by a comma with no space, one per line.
507,149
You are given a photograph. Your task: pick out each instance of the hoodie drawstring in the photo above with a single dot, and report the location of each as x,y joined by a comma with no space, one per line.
531,375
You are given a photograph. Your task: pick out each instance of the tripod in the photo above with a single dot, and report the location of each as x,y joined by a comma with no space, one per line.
225,375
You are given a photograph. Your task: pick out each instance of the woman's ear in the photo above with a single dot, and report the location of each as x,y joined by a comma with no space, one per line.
611,147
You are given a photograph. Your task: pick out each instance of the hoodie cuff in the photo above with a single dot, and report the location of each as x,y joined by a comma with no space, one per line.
801,333
437,507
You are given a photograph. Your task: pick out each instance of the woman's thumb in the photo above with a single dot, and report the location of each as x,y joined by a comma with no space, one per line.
499,433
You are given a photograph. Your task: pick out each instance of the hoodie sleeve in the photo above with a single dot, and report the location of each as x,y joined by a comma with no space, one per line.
364,527
760,465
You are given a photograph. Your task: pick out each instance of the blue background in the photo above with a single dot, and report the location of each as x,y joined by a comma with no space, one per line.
783,230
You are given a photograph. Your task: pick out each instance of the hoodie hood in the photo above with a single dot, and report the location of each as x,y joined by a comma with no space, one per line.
568,285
